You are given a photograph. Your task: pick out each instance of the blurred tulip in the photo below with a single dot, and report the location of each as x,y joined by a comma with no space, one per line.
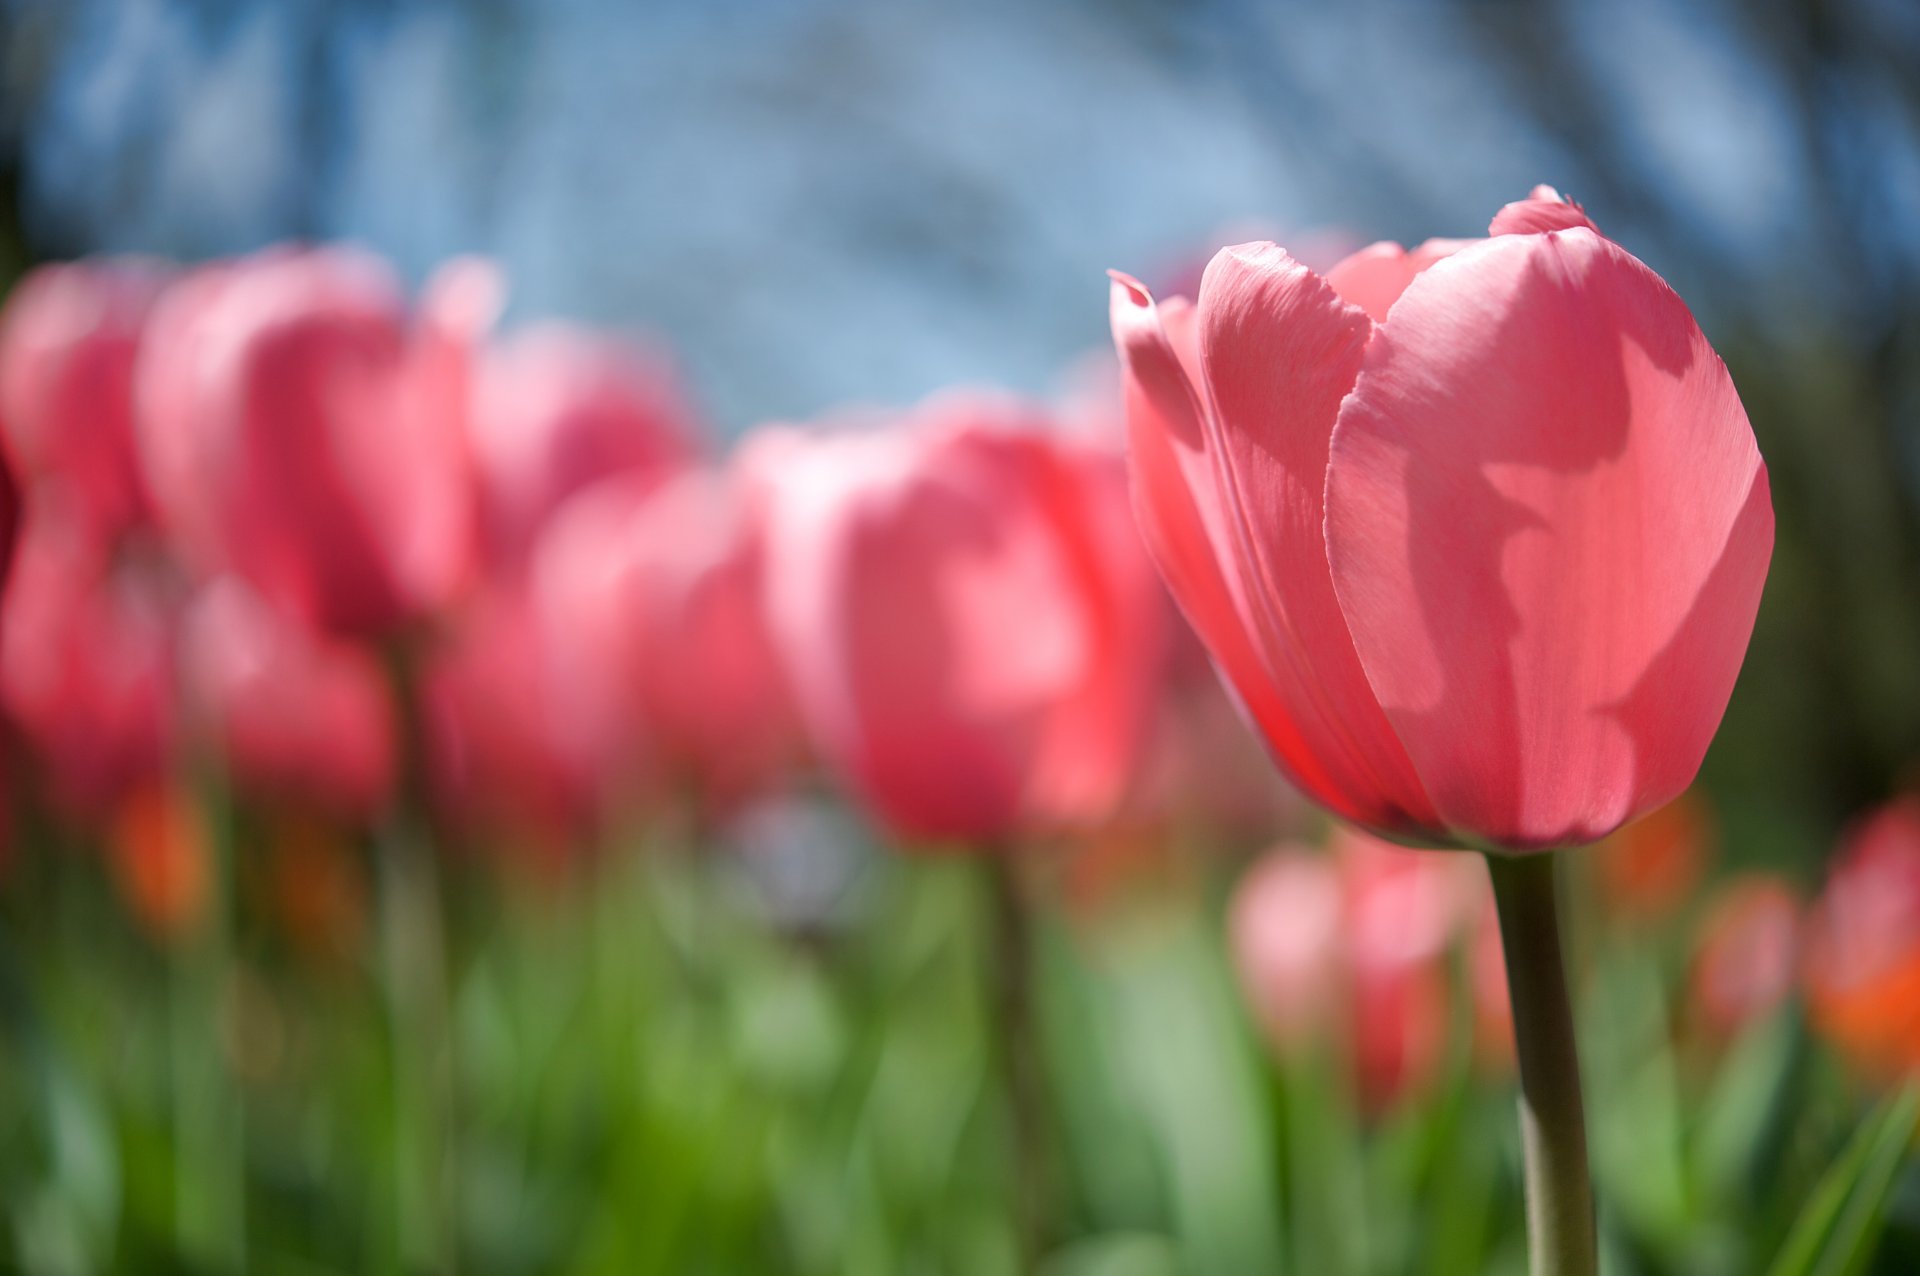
559,408
657,591
1476,532
1357,941
293,430
968,622
505,760
1285,930
1863,943
1747,953
1650,868
68,338
86,660
162,857
294,714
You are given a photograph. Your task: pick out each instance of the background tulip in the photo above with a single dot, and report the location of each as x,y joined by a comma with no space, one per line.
1748,952
293,714
68,339
505,763
1863,943
86,661
558,408
1479,545
966,619
284,438
658,591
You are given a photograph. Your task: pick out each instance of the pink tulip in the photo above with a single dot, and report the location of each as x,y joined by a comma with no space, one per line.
505,760
297,430
1356,946
296,715
559,408
1862,963
1285,931
1748,952
1477,532
967,620
68,339
657,590
86,659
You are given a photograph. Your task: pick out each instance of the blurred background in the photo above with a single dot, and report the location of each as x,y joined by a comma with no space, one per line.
804,206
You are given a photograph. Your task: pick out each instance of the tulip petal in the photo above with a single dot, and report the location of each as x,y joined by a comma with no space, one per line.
1184,519
1374,277
1280,350
1548,526
1543,209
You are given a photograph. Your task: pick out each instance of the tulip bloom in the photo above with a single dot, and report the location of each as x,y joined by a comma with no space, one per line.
293,713
557,409
86,660
1863,944
1748,953
298,431
658,591
504,759
966,617
1476,532
68,339
1356,942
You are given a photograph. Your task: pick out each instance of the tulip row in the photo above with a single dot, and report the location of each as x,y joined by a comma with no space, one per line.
1473,535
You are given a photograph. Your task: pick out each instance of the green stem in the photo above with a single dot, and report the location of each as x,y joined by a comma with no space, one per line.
1014,1033
415,979
1553,1133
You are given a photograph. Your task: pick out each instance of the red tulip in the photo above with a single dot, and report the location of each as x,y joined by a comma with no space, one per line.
560,408
68,339
657,590
968,623
86,660
1863,943
1478,538
294,714
294,430
1748,952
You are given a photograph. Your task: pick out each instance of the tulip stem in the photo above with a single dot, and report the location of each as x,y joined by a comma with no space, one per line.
414,970
1553,1132
1014,1033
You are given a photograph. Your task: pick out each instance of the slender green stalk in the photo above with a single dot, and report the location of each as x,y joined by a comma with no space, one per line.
1553,1132
1015,1034
415,984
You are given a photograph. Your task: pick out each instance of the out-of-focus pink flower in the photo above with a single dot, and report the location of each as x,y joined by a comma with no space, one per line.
68,338
1862,960
1650,868
657,590
1357,944
560,408
297,429
1451,622
968,622
1285,927
505,759
295,715
1748,952
86,659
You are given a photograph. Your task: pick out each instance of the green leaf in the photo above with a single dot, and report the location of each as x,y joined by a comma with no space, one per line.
1836,1233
